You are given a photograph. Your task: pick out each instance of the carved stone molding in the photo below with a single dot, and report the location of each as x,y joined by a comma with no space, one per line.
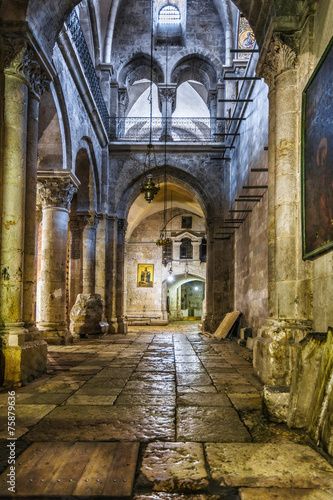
281,56
87,221
123,99
56,192
212,100
35,75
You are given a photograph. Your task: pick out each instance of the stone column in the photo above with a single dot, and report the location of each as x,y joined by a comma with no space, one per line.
288,287
212,105
122,108
21,361
120,269
208,319
89,224
167,104
196,250
56,190
114,110
38,83
111,274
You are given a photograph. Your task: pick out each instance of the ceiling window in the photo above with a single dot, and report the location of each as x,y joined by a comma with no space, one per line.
169,15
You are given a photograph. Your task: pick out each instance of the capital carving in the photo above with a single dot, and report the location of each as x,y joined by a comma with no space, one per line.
56,192
21,61
87,221
123,98
167,94
281,56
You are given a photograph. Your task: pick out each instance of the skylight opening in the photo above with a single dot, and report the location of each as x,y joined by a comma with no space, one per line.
169,15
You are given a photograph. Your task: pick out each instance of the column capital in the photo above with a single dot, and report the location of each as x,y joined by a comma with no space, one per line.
281,56
21,61
123,98
167,93
57,190
87,220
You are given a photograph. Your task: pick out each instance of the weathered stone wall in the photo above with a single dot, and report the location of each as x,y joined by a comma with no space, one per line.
250,240
142,249
134,17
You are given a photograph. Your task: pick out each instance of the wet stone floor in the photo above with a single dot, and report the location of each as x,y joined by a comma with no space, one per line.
192,403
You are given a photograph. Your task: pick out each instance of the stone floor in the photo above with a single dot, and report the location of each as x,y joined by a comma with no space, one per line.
191,402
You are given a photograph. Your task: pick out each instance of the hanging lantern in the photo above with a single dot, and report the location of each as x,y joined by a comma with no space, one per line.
149,189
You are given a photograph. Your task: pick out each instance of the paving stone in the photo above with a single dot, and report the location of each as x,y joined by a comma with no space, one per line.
105,423
99,391
177,496
26,416
197,399
203,389
190,368
34,398
210,424
156,366
60,387
112,383
197,379
148,387
86,400
268,465
154,376
246,402
145,400
284,494
235,388
174,467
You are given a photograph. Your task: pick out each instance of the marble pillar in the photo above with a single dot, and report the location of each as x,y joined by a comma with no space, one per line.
289,293
21,361
56,190
167,104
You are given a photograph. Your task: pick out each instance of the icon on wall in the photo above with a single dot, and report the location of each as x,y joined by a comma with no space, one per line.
246,38
146,275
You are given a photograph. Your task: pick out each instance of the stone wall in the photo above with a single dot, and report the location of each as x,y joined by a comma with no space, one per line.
250,240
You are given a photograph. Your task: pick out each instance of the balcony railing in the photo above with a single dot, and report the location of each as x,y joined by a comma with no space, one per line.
179,129
80,43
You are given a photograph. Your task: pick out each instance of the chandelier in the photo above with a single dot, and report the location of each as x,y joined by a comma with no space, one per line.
149,189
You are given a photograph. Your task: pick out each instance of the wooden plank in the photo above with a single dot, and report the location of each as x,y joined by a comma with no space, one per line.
121,477
82,469
67,469
226,325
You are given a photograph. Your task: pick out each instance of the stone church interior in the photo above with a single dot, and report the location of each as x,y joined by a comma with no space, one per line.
166,249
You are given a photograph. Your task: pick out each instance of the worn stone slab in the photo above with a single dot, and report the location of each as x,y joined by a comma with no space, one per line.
156,366
99,390
197,399
60,387
189,367
148,387
177,496
193,379
263,465
174,467
210,424
35,398
245,402
86,400
105,423
26,416
145,400
284,494
236,388
203,389
154,376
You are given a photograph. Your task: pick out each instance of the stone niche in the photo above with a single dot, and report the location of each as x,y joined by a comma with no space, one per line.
87,316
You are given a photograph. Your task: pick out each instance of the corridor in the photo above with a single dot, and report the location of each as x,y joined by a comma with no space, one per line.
189,402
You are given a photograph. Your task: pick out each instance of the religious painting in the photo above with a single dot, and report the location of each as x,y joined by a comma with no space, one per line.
246,38
317,158
146,275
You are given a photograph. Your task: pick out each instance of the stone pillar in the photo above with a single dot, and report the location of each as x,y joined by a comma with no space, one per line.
56,190
122,108
89,224
288,287
38,83
208,319
120,269
212,105
114,110
20,361
167,104
196,250
111,273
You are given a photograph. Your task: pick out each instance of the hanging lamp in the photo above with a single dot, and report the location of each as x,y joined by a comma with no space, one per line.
149,188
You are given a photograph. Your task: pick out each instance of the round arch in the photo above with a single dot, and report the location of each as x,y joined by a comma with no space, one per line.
195,67
138,67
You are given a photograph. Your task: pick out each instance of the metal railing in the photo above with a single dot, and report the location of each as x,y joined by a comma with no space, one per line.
80,43
180,129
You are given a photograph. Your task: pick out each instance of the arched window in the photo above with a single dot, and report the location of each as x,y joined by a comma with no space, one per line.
169,15
186,249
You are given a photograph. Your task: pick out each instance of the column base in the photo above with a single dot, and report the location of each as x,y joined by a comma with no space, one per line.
122,326
273,350
55,334
21,361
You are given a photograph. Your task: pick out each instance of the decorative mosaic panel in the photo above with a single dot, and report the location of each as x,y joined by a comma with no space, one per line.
246,38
